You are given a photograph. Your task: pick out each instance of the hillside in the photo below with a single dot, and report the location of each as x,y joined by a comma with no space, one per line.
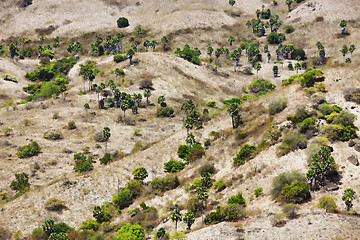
140,138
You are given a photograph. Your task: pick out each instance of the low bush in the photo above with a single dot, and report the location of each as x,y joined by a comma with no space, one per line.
99,137
292,141
278,220
307,125
275,38
166,183
327,202
214,134
54,204
261,86
298,53
173,166
29,150
123,199
337,132
325,109
290,187
89,225
289,29
164,111
191,153
135,187
277,106
244,154
246,97
106,159
21,183
230,212
53,135
194,205
71,125
83,163
219,185
237,199
258,191
206,169
211,103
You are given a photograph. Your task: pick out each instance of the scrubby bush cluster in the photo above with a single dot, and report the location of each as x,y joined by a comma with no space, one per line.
29,150
244,154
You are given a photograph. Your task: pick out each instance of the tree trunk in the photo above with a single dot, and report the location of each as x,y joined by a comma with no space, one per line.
202,209
84,85
105,146
232,121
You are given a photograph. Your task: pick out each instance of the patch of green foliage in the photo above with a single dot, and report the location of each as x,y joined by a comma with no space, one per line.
164,111
237,199
82,163
290,187
244,154
164,184
190,153
173,166
229,212
190,55
261,86
50,79
306,79
29,150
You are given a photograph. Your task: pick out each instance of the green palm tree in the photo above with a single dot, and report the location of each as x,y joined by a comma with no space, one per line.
209,52
146,44
138,31
231,39
176,216
257,67
106,135
348,197
352,49
343,24
153,44
202,194
147,94
130,53
344,50
233,110
235,55
164,41
124,105
231,3
189,219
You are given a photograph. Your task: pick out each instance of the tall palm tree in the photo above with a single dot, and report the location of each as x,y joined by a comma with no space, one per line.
176,216
147,94
106,134
352,49
164,41
130,53
233,110
124,105
231,39
231,3
209,51
289,2
235,55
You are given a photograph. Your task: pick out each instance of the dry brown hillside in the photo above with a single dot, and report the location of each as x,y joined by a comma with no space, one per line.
200,24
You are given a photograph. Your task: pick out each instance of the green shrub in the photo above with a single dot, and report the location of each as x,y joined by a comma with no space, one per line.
258,191
325,109
214,134
230,212
300,115
183,151
119,58
290,188
330,118
219,185
244,153
291,141
246,97
89,225
106,159
191,153
122,22
53,135
82,164
275,38
164,111
173,166
237,199
327,202
261,87
338,132
289,29
307,124
211,103
71,125
166,183
233,100
277,106
194,205
191,55
336,108
345,119
137,147
62,228
135,187
29,150
140,173
123,199
22,182
298,52
278,220
206,169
